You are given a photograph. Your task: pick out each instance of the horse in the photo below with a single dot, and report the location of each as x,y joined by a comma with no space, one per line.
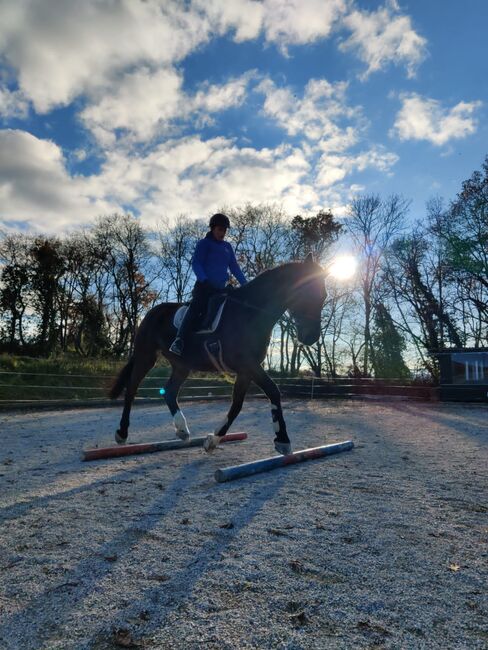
240,344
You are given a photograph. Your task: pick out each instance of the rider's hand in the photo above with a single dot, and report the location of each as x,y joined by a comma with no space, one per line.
207,285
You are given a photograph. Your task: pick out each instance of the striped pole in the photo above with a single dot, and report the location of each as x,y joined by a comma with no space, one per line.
267,464
150,447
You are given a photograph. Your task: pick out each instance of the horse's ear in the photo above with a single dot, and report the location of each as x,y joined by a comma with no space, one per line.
309,259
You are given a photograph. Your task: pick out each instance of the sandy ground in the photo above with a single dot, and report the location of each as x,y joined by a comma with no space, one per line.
381,547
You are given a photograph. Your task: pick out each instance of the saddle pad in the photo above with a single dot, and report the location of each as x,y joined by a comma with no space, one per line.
180,314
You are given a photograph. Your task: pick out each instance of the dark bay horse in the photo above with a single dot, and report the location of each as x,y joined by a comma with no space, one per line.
242,336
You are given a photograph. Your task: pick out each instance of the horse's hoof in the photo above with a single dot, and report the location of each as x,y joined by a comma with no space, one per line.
283,448
211,443
181,428
120,440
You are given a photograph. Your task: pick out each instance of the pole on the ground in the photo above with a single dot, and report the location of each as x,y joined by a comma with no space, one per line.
267,464
99,453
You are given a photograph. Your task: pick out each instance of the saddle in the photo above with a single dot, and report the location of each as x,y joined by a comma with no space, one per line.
211,318
209,325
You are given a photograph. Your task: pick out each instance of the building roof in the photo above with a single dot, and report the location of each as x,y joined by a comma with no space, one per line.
457,350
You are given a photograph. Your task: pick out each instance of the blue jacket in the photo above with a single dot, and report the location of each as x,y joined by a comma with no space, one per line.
212,260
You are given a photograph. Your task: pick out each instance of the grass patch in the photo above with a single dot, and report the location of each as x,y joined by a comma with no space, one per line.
69,378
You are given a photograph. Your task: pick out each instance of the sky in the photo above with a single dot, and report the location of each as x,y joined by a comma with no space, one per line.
162,108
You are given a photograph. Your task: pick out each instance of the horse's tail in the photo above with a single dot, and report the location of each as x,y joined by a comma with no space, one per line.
121,380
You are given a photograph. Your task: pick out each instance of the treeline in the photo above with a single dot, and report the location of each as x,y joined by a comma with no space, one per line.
418,288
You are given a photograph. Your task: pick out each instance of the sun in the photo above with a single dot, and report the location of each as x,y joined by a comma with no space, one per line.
343,267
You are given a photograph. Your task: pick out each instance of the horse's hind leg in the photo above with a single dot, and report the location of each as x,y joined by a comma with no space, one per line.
178,376
264,381
239,392
142,365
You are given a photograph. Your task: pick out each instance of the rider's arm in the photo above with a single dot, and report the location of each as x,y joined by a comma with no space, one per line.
198,261
235,269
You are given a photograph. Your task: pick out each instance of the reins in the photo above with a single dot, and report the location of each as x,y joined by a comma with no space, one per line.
251,306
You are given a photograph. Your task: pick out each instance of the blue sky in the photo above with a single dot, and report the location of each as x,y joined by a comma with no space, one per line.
165,108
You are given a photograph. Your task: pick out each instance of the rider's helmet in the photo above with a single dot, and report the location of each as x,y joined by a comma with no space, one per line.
219,219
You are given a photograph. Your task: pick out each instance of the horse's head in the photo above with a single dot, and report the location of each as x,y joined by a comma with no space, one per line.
307,299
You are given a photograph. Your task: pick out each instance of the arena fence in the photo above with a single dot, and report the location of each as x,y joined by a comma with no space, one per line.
22,389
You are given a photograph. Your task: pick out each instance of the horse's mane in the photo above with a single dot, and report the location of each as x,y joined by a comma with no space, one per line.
265,279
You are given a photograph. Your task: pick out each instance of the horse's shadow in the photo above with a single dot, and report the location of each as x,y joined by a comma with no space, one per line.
84,579
160,601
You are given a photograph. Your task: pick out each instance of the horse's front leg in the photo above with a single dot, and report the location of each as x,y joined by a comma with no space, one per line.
263,380
172,388
239,392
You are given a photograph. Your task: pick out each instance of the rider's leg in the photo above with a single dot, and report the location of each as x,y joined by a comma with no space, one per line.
200,296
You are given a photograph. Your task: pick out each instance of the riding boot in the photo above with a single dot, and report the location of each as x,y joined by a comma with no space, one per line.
201,294
184,329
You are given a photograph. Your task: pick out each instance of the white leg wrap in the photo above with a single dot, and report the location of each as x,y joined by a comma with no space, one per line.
181,427
212,442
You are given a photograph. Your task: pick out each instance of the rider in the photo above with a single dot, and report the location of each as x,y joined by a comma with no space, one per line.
212,259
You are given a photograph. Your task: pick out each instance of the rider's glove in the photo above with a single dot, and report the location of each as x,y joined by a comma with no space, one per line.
207,285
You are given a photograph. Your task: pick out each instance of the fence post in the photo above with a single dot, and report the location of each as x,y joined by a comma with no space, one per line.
313,384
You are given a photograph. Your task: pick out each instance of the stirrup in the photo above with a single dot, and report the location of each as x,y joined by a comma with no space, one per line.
177,346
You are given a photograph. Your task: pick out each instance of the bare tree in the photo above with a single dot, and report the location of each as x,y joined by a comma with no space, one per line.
46,270
313,235
413,284
372,224
466,243
14,286
258,234
128,260
176,246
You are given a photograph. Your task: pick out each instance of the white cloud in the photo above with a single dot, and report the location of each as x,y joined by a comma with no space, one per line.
61,50
295,22
320,115
214,98
145,103
187,175
332,169
12,103
35,188
243,17
137,103
422,118
283,22
382,37
121,58
195,177
331,128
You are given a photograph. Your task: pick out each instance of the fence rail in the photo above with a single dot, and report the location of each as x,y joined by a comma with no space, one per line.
55,389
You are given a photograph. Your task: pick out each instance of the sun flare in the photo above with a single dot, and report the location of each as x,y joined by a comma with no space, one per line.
343,267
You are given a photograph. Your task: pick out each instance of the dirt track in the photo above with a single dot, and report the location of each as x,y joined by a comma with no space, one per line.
384,546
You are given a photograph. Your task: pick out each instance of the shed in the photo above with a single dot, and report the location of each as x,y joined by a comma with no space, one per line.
463,374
